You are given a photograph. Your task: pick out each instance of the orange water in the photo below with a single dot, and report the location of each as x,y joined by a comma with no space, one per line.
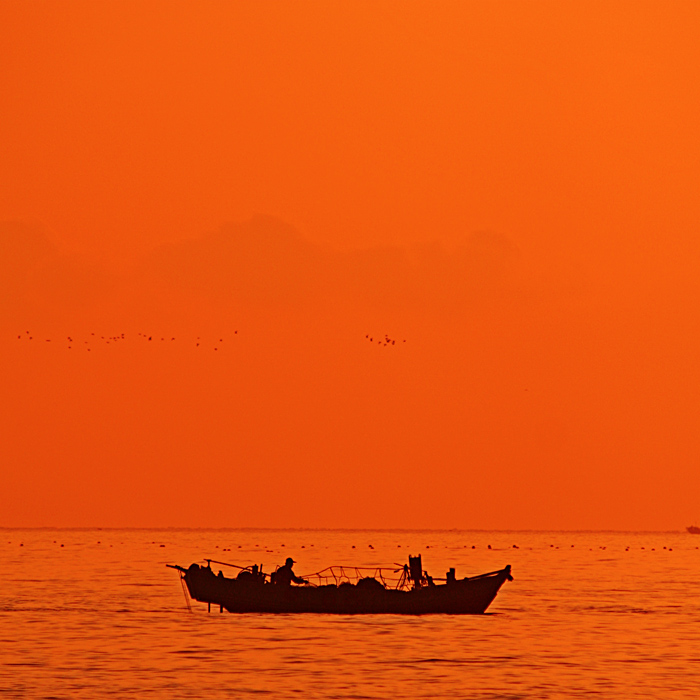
609,615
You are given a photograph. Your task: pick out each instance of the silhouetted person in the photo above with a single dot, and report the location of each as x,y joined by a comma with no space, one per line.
284,575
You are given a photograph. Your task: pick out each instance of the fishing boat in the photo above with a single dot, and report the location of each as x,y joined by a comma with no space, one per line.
693,529
405,590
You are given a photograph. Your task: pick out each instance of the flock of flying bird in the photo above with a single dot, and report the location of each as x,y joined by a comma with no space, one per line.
72,342
382,342
515,546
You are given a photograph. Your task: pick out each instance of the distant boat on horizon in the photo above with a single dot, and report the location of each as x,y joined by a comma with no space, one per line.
693,529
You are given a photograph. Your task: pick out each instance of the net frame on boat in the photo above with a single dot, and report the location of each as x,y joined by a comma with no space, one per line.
393,579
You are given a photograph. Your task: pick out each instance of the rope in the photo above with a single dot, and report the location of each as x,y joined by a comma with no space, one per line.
184,590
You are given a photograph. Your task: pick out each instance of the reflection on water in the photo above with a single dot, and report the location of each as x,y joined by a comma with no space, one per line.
589,614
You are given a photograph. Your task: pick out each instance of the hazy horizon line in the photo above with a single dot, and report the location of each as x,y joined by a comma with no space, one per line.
330,529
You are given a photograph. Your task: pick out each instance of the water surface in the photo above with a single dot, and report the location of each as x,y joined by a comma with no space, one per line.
96,614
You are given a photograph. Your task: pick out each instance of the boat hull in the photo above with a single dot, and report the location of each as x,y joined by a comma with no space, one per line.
466,596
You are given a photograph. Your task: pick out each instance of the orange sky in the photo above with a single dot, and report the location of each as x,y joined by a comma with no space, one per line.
509,187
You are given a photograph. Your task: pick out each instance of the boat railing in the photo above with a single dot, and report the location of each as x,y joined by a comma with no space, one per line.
391,578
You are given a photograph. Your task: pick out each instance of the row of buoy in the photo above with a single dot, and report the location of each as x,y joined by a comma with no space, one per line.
21,544
370,546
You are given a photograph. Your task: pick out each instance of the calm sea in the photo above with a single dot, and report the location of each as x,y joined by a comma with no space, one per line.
96,614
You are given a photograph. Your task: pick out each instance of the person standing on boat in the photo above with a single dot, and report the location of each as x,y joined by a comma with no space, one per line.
284,575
